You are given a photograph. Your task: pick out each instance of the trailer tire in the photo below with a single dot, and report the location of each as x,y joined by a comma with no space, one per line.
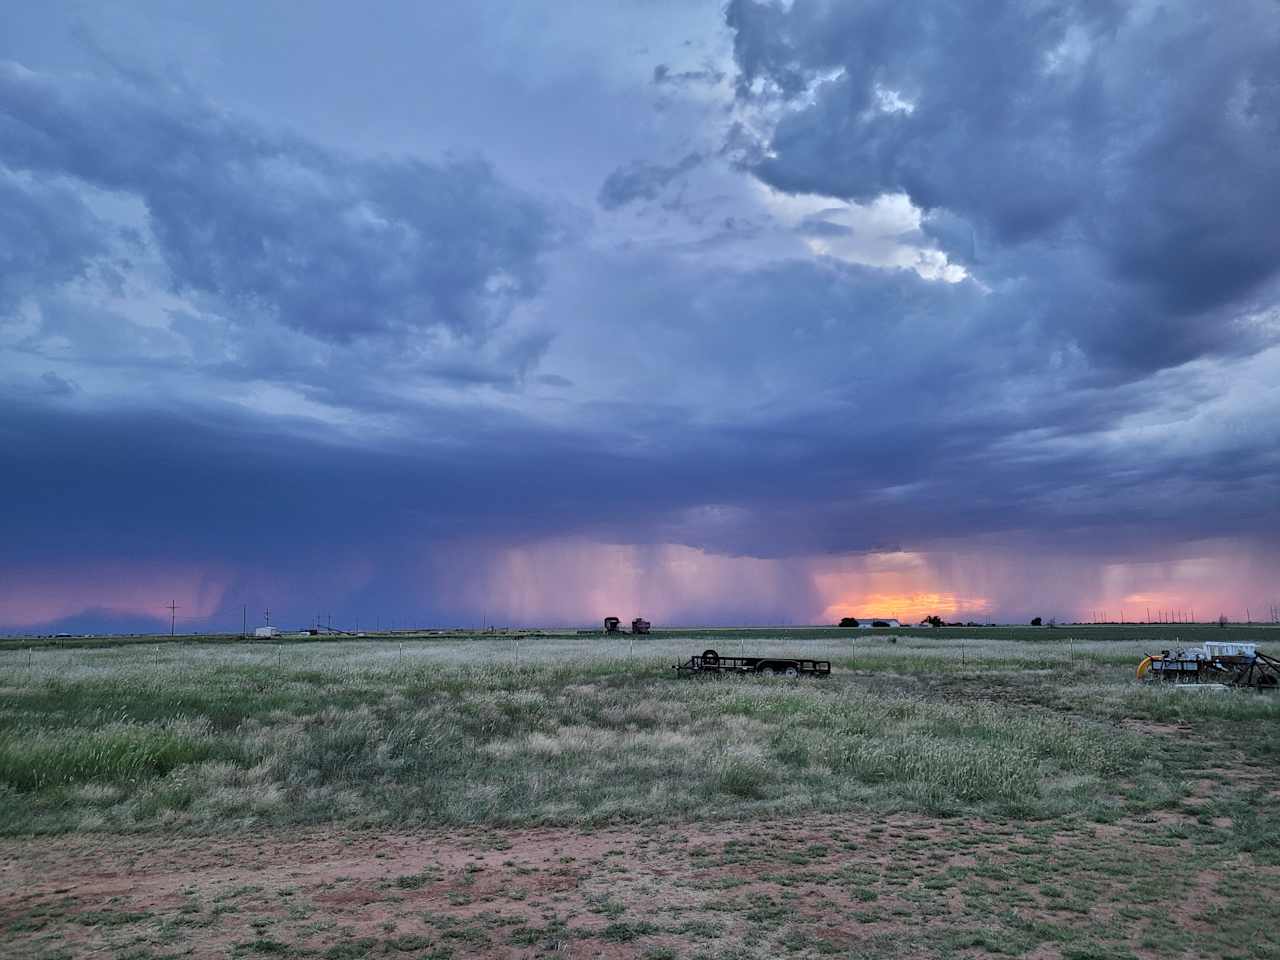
791,672
766,670
711,659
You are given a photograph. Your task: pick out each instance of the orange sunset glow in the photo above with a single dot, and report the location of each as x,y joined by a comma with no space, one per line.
908,607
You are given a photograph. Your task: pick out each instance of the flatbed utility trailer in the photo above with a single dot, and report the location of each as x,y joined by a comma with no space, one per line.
711,662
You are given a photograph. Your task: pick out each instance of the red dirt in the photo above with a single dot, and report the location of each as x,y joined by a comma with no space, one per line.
499,893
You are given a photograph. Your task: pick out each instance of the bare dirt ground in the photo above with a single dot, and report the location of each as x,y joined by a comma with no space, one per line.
846,885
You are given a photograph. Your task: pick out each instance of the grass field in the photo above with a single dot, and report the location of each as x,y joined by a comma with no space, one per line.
938,795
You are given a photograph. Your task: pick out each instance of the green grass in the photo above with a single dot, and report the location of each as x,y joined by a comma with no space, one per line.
34,758
583,730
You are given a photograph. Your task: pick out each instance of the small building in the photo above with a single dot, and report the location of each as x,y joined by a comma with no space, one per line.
266,631
640,625
612,624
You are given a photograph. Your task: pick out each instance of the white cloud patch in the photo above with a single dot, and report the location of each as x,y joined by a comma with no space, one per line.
875,234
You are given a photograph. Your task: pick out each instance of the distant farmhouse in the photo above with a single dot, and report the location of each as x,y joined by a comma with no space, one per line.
870,623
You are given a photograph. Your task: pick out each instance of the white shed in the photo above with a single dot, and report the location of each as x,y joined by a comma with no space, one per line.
266,632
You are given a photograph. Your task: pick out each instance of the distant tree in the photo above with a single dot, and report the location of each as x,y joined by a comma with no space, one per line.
1036,622
933,620
1222,620
849,622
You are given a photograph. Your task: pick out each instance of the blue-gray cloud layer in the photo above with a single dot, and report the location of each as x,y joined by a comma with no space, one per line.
266,222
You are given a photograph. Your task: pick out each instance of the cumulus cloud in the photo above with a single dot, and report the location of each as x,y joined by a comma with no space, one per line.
1114,163
268,224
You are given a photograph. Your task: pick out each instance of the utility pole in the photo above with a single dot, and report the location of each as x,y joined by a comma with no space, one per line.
173,616
244,620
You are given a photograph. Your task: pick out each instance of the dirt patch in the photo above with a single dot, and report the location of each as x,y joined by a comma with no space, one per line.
1153,727
794,887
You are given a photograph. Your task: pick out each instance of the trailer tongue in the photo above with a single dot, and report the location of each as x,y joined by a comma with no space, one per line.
712,662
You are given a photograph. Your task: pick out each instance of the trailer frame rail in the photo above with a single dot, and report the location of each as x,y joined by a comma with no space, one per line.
710,662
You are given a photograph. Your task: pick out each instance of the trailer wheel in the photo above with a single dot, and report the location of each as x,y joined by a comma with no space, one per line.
710,659
791,672
766,671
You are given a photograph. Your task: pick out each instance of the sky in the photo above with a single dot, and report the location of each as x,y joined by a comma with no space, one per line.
529,313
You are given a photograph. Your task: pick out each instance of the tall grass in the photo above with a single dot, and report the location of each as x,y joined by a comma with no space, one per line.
566,730
33,758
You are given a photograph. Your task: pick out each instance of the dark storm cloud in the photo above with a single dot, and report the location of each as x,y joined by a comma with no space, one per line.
268,223
1116,161
839,408
642,181
885,461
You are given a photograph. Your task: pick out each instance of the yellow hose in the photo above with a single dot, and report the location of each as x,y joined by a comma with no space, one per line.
1145,665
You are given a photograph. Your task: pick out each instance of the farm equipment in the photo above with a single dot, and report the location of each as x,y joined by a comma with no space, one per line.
1228,664
614,625
711,662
